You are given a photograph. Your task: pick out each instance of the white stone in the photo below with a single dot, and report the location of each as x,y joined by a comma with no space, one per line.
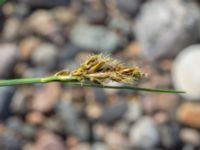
144,134
134,111
186,72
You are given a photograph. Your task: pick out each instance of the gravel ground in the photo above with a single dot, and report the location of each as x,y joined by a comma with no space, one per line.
39,38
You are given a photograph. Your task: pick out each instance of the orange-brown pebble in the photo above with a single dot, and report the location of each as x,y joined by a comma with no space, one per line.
27,45
189,114
34,118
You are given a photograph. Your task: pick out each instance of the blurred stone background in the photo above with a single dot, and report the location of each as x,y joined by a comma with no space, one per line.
41,37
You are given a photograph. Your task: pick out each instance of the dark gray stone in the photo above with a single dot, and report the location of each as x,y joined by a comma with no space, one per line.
97,16
72,124
114,112
20,128
169,136
6,94
9,141
2,18
129,6
8,57
46,3
100,95
67,54
96,38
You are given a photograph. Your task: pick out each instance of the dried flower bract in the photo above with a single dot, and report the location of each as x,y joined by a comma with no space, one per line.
101,69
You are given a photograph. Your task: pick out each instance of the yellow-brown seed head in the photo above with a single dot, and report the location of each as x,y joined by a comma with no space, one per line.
100,69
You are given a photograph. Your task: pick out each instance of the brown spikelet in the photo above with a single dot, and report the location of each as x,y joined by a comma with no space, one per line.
100,69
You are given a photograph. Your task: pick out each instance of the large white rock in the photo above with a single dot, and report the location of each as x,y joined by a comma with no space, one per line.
186,72
164,27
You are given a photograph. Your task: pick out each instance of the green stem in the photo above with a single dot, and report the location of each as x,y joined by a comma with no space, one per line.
126,87
13,82
75,81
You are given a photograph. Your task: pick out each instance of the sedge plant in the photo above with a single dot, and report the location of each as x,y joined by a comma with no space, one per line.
97,71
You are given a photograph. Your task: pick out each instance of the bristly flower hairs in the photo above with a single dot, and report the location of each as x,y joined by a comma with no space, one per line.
95,71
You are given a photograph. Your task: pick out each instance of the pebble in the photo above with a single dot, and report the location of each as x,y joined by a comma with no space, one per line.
116,140
128,6
48,140
71,122
144,134
47,3
10,141
161,36
100,95
22,10
2,18
185,73
188,114
82,146
20,100
35,118
93,111
114,112
27,46
6,94
190,136
15,124
154,101
134,111
99,131
66,55
9,9
188,147
35,72
20,128
161,117
169,135
53,124
99,146
122,126
46,98
41,22
71,141
169,104
132,50
120,23
95,37
95,12
63,15
11,28
8,55
45,55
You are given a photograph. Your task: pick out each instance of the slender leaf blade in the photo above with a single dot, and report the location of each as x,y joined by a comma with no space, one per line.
125,87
